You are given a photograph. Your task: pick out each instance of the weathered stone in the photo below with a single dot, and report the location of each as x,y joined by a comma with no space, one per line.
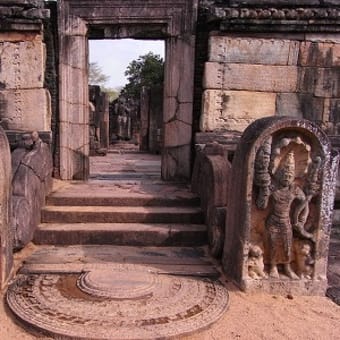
6,233
211,176
32,180
137,301
226,49
327,82
234,110
250,77
176,162
22,64
289,104
322,82
26,109
177,133
281,247
319,54
25,3
323,37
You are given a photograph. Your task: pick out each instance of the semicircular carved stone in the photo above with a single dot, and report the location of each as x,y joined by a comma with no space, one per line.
280,205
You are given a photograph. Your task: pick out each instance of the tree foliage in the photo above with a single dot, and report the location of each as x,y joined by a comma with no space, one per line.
147,70
96,75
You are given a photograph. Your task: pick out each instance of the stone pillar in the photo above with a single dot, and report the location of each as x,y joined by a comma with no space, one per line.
144,119
156,120
280,206
178,104
6,233
73,97
104,121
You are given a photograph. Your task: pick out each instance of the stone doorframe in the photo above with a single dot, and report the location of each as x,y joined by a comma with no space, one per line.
171,20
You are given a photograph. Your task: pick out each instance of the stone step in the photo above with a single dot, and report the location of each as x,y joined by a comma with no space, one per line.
118,214
122,234
111,199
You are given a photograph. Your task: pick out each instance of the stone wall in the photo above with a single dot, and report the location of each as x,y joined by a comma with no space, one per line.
249,77
25,103
269,58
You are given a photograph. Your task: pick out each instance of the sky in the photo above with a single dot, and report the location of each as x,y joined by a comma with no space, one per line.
113,56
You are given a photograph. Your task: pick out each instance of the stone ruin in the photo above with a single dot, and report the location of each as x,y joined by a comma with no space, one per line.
228,63
280,203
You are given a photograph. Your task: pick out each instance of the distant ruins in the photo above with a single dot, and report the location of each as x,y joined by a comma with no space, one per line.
228,64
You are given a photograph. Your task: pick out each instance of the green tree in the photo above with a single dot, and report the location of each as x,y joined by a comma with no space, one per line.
147,70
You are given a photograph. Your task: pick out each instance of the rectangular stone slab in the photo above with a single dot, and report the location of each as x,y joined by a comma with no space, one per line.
228,49
26,109
264,78
234,110
22,64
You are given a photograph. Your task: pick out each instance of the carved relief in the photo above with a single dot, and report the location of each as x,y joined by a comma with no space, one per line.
286,179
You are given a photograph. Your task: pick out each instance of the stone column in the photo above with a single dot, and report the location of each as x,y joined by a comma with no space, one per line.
144,119
178,104
73,94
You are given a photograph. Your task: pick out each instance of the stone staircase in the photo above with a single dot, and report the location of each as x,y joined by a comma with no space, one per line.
122,213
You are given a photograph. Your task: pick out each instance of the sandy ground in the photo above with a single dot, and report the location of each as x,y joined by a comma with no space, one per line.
256,316
249,317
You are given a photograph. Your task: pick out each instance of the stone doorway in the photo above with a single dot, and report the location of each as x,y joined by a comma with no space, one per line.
80,20
126,81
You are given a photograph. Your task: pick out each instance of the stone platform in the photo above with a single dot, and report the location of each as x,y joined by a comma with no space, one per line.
118,292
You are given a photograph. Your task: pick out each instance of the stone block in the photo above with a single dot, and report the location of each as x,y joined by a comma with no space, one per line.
177,133
263,78
26,109
327,82
288,104
323,37
322,82
176,162
253,51
22,64
316,54
234,110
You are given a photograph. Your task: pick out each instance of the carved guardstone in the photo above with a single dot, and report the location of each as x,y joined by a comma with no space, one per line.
280,206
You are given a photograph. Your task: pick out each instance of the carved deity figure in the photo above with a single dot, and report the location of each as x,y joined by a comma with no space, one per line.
278,226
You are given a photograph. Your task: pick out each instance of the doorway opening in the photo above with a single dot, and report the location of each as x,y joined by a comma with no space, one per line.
126,81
